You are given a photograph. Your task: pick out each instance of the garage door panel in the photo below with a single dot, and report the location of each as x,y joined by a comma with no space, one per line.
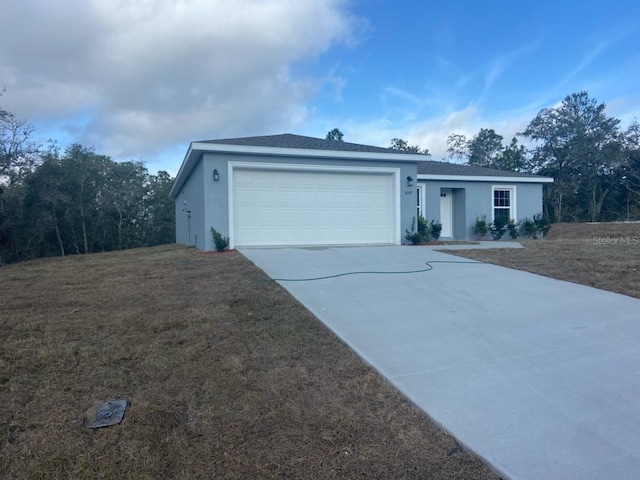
304,208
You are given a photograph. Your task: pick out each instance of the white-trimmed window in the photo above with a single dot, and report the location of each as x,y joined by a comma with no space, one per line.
420,203
504,202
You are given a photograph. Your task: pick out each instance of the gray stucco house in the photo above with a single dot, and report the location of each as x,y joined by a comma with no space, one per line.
295,190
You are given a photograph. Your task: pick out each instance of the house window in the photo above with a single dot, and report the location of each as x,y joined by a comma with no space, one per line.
420,204
504,203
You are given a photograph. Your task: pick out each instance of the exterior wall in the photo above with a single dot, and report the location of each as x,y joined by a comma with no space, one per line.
431,207
215,196
472,199
408,197
460,220
208,202
190,210
529,200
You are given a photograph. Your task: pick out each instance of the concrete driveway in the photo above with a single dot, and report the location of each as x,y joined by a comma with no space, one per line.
538,376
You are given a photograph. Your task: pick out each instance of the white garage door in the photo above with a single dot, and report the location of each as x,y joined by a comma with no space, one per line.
281,207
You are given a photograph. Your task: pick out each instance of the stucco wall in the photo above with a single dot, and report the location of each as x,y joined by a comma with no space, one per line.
472,199
190,203
216,197
208,201
460,216
529,200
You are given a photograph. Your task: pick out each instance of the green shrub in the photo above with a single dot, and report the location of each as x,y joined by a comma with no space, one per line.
528,228
498,227
413,235
480,228
423,228
543,224
420,234
435,228
222,243
512,228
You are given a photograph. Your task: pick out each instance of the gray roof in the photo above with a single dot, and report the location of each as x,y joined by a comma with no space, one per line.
431,167
288,140
427,167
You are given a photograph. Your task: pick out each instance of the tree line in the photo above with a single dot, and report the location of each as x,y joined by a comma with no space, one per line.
75,201
79,201
594,162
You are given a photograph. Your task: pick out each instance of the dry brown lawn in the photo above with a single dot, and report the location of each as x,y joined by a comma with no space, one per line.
226,379
601,255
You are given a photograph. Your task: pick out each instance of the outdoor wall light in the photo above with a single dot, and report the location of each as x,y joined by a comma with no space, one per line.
409,181
216,175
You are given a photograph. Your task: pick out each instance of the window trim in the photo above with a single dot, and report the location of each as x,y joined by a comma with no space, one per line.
420,192
513,212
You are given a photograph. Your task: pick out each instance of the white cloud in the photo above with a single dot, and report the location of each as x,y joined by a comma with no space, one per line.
433,132
145,75
626,109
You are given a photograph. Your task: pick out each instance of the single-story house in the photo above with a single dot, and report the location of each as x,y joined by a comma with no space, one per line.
295,190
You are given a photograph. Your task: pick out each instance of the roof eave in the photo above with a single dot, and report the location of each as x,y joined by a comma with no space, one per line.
305,152
185,169
485,178
197,148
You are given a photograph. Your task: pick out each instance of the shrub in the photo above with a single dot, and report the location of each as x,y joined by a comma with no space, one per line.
543,224
222,243
435,228
528,228
498,227
420,234
423,228
413,235
480,228
512,228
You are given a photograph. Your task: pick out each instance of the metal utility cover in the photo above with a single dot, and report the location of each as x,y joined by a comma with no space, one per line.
107,413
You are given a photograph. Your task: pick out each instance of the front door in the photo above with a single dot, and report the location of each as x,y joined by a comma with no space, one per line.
446,212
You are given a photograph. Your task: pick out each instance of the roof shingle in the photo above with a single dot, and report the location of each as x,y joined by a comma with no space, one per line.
288,140
431,167
426,167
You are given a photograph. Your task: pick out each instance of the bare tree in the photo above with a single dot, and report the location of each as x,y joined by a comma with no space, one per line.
18,152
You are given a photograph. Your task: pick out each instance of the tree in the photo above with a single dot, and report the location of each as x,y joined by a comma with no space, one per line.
630,169
75,202
458,147
49,201
85,180
122,213
81,202
513,157
18,153
403,145
18,157
580,146
485,148
161,209
335,135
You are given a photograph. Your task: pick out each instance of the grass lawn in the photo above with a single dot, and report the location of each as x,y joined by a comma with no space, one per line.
227,379
590,254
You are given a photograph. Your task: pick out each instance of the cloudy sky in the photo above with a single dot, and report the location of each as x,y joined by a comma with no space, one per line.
140,79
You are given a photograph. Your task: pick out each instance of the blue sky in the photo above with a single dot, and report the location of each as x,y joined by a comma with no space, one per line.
140,79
